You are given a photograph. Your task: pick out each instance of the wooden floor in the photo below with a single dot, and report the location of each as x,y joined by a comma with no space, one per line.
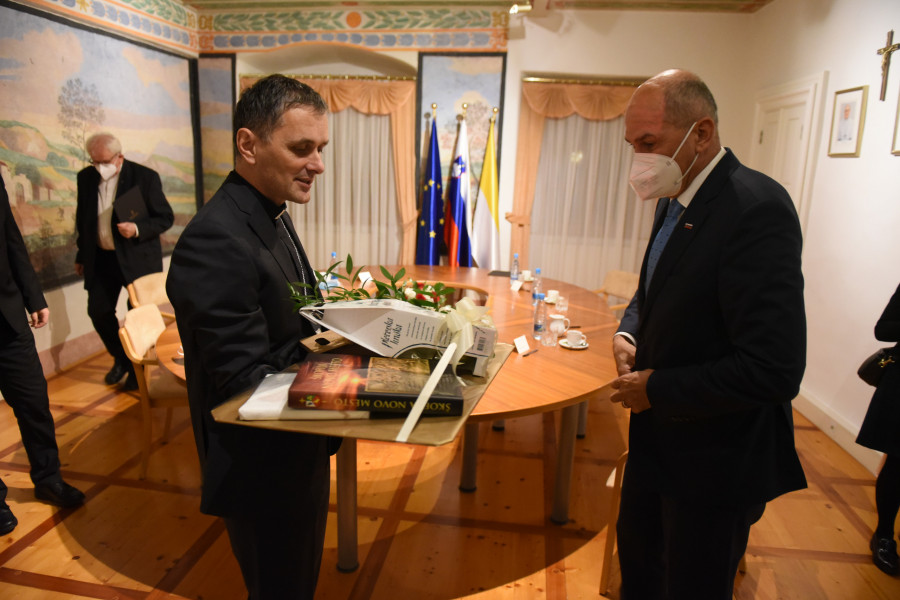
420,538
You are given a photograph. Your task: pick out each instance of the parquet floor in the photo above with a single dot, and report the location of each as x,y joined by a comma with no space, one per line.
420,538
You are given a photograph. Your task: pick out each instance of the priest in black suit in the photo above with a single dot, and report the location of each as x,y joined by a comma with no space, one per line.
114,251
228,281
22,380
710,352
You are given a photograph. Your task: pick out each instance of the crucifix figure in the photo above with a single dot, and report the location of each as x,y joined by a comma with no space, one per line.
886,60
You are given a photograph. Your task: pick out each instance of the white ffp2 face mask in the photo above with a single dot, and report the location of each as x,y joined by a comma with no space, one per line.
106,170
656,175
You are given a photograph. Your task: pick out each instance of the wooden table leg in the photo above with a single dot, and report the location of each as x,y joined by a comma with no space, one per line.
469,472
564,463
347,543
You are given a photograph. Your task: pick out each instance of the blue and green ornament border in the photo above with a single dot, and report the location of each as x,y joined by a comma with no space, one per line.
185,30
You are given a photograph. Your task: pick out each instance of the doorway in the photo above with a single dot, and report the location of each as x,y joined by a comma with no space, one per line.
787,129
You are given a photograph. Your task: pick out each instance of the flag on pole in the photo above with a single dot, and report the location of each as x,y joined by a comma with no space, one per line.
430,230
486,220
458,219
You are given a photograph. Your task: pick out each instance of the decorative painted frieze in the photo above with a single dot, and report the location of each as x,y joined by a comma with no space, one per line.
171,24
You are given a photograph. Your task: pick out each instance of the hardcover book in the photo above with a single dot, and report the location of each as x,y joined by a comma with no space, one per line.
130,206
371,383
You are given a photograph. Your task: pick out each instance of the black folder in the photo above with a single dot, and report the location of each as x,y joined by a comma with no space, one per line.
130,206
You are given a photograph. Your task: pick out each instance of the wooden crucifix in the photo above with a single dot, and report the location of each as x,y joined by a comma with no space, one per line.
885,53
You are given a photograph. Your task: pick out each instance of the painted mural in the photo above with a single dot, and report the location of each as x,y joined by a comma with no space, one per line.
253,27
216,89
450,80
59,85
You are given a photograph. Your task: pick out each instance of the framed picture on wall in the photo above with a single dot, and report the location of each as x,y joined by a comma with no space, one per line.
449,80
847,118
895,146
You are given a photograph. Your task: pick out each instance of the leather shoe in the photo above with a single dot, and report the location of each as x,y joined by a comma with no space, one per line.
8,520
59,493
115,374
131,383
884,554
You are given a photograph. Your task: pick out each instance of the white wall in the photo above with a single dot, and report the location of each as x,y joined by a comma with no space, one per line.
852,243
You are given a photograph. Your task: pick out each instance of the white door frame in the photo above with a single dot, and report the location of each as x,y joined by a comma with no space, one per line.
811,92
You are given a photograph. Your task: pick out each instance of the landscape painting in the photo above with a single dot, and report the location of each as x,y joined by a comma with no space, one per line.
216,89
59,85
450,80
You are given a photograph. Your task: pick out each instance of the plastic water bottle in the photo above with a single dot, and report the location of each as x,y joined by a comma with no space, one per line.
514,268
540,317
332,279
536,287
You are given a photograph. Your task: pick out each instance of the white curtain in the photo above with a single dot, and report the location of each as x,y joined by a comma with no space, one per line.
354,207
586,219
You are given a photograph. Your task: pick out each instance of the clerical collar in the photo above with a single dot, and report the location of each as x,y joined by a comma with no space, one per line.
272,209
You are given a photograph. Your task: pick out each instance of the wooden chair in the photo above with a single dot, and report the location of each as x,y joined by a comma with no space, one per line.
615,482
150,289
156,386
619,284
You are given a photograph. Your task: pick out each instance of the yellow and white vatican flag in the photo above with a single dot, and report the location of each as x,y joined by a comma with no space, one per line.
486,220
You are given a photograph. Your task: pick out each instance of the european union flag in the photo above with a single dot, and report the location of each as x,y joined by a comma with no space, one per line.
430,230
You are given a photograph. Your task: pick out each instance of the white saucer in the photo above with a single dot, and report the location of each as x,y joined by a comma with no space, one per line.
550,301
528,280
565,344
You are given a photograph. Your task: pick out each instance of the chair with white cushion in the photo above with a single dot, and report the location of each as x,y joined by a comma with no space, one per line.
157,387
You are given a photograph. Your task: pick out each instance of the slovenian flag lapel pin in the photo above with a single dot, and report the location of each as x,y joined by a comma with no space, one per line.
688,226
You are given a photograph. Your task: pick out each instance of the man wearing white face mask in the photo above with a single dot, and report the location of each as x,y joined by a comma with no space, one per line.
710,351
112,252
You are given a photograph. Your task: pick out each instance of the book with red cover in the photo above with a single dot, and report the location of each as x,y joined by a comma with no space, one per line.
371,383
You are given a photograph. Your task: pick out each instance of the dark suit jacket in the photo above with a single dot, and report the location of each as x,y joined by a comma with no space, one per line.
19,286
228,281
724,327
137,256
880,429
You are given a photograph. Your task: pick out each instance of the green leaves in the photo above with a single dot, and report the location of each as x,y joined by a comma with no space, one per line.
425,295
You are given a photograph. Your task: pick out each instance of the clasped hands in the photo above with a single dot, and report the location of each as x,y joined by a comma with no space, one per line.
630,386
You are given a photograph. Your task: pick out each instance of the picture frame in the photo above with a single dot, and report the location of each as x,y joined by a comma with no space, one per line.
895,146
448,79
847,119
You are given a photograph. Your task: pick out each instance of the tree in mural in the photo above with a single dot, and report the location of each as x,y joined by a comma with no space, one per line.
79,108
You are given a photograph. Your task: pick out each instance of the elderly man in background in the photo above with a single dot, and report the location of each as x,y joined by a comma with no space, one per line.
113,252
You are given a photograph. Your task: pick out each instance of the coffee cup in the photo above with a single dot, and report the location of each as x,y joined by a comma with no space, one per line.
552,296
526,275
575,338
559,324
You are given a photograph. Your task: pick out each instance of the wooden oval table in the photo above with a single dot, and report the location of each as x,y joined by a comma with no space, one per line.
553,378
